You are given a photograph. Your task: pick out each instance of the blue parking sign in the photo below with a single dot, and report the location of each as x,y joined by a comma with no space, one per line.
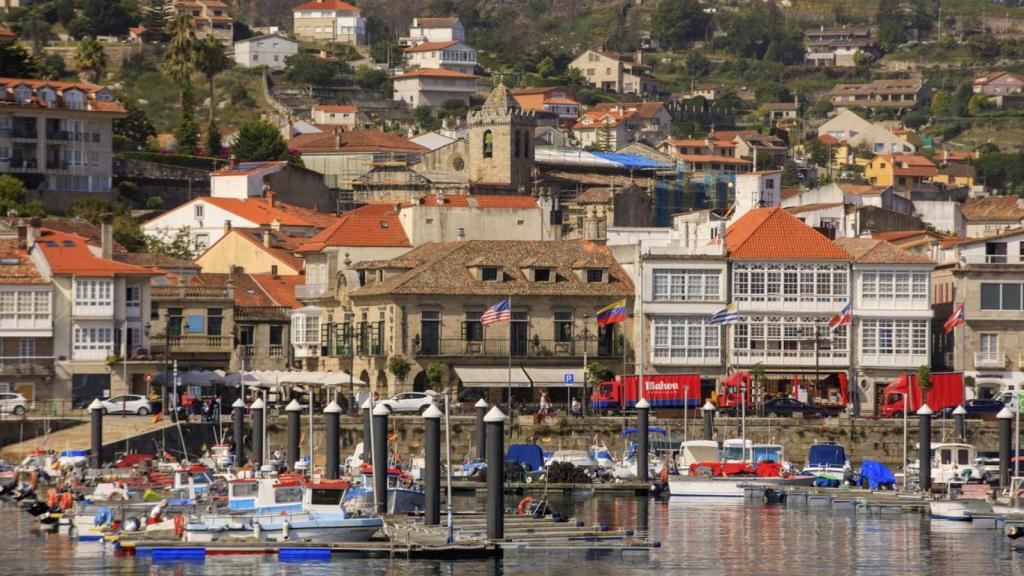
568,379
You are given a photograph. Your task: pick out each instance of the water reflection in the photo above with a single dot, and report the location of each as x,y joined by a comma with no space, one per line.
702,536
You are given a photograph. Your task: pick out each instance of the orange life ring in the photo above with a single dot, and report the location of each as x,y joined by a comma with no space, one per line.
523,505
66,501
34,478
179,525
664,475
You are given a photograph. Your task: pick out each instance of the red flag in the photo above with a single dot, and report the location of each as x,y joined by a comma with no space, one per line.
955,319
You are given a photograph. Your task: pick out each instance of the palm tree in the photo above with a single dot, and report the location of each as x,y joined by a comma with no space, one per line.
180,57
90,59
211,59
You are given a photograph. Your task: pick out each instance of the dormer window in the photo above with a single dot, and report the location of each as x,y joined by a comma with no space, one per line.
489,273
22,93
48,96
542,274
595,275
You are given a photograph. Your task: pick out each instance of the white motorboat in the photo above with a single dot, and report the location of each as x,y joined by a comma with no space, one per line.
951,463
828,459
737,450
404,495
578,458
960,510
694,452
287,508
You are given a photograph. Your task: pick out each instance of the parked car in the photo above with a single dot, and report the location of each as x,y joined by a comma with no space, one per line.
977,408
13,403
416,402
127,404
790,406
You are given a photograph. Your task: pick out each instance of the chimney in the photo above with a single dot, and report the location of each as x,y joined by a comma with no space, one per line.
33,230
398,207
273,270
227,226
266,238
106,235
270,198
337,138
22,236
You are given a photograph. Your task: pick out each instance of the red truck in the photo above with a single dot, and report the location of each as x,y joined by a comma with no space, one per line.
730,398
661,390
947,391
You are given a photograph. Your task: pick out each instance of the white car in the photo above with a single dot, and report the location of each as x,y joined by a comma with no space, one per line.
416,402
13,403
127,404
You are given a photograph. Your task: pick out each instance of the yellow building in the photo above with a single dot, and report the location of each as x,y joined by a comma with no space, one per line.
255,251
956,175
899,170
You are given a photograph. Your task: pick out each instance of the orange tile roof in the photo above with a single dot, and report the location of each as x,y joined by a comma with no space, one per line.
6,34
436,73
247,292
326,5
70,254
16,267
336,108
898,234
599,119
993,208
260,212
92,104
369,225
281,288
774,234
829,139
354,141
431,46
464,201
874,251
281,246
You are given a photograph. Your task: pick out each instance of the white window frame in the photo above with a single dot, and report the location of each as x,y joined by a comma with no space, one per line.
685,340
92,342
685,284
93,296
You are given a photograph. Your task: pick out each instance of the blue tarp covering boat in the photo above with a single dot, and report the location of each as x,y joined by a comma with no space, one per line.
650,430
529,455
876,474
826,455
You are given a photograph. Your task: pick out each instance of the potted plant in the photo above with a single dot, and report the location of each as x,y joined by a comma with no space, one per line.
399,366
924,381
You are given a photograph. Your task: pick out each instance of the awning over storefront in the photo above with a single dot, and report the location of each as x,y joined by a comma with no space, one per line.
491,377
555,376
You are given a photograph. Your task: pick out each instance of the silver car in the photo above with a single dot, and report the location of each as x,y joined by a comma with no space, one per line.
417,402
127,404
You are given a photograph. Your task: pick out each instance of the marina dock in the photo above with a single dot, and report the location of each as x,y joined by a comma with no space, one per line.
620,488
407,537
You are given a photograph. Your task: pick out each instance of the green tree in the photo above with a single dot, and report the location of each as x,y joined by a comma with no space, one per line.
676,23
546,67
605,140
373,79
213,140
891,22
399,366
178,245
436,374
156,18
924,381
36,32
940,102
90,59
960,100
187,131
12,197
978,103
915,119
259,141
211,60
16,62
180,56
697,65
790,176
135,128
817,152
109,17
311,71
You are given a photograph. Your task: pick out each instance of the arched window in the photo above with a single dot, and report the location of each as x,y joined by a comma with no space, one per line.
518,143
488,144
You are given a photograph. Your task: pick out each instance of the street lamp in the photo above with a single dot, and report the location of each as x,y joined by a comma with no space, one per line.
819,343
349,323
585,339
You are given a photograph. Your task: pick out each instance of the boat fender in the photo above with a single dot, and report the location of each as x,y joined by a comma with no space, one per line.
103,517
179,525
285,529
257,529
524,504
131,524
51,498
1014,532
664,475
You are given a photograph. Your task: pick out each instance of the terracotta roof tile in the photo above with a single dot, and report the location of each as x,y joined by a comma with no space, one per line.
446,269
436,73
259,211
354,141
898,234
70,254
874,251
155,261
337,108
282,247
433,22
993,208
247,292
326,5
6,34
369,225
774,234
862,189
16,267
281,288
83,228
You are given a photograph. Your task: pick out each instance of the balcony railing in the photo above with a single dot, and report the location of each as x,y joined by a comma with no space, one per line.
527,348
24,132
994,259
310,291
905,361
197,343
990,359
276,351
26,365
792,357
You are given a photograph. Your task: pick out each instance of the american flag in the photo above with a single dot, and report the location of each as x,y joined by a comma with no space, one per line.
500,312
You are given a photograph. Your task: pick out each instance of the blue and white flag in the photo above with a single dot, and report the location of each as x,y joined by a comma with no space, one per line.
727,315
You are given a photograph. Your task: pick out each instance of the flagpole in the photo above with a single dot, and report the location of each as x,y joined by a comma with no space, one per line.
509,400
640,359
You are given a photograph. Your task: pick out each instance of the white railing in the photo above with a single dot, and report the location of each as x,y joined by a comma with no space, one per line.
106,310
100,354
993,259
918,304
792,357
791,303
996,359
904,361
715,360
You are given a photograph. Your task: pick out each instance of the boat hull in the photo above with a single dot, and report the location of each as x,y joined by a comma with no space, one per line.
702,486
958,510
314,529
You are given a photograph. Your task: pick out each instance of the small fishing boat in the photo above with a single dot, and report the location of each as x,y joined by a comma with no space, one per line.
951,463
737,450
695,451
726,479
404,495
284,508
828,461
578,458
959,510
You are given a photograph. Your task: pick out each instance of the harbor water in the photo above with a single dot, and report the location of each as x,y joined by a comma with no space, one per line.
699,536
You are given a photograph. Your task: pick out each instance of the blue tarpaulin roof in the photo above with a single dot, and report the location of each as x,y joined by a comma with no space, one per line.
826,455
634,161
529,455
876,474
650,430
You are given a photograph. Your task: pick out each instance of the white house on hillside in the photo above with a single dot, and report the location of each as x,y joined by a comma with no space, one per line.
425,30
429,87
270,51
450,55
329,20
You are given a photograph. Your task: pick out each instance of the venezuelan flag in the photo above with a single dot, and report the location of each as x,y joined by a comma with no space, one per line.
612,313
